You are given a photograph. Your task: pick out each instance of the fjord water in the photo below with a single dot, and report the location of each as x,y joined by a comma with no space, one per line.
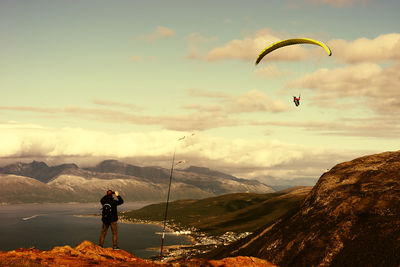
45,226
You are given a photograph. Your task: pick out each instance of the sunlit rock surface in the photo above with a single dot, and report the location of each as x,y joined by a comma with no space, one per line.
350,218
89,254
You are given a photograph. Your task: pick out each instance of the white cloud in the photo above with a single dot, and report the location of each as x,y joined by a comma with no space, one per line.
339,82
246,158
248,48
385,47
375,85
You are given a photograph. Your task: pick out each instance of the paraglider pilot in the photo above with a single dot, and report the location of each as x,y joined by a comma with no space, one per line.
296,100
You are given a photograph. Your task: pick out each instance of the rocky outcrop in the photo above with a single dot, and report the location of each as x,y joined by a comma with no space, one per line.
89,254
351,217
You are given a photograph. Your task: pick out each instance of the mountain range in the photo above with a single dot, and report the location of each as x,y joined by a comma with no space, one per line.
351,217
38,182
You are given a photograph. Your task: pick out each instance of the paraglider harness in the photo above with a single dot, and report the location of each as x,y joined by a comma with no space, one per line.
296,100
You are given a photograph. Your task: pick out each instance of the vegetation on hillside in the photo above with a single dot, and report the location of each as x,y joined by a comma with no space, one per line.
240,212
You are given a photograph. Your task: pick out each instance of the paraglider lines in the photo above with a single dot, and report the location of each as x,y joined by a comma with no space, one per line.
169,191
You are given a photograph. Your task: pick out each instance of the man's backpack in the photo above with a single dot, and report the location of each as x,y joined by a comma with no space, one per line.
106,213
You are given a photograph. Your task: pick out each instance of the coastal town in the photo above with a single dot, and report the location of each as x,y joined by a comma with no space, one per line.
202,242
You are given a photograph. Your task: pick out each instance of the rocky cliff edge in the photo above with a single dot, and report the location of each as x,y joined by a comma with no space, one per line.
89,254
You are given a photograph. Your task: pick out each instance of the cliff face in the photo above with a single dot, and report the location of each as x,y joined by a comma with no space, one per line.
89,254
351,217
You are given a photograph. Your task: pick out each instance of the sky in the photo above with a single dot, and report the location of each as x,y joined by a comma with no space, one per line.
86,80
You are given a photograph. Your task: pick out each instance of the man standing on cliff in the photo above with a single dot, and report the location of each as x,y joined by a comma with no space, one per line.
110,216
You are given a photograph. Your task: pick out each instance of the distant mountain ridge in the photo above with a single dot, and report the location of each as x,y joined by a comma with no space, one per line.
38,170
135,183
117,167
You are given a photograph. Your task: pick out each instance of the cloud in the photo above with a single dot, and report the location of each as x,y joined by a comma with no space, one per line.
30,109
202,117
107,103
294,5
271,71
159,33
370,83
338,3
384,48
204,108
310,165
208,94
198,120
256,101
251,101
375,127
136,58
347,81
248,48
247,158
195,41
365,82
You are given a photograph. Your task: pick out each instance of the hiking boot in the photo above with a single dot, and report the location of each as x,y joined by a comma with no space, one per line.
116,248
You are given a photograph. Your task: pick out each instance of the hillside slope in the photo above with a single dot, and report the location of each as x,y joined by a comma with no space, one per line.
350,218
241,212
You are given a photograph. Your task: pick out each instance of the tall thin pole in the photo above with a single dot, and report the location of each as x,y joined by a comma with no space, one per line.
166,207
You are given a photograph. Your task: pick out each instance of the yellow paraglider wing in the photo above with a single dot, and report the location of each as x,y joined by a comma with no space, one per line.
287,42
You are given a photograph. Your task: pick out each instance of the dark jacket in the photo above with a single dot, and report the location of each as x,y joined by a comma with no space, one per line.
114,203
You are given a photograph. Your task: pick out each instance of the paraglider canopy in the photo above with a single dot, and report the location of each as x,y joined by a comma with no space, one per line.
294,41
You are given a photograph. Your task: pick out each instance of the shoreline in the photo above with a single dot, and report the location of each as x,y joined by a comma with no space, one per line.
169,228
200,242
170,252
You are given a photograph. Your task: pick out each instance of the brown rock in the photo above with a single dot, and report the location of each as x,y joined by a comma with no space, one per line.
240,262
351,217
89,254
